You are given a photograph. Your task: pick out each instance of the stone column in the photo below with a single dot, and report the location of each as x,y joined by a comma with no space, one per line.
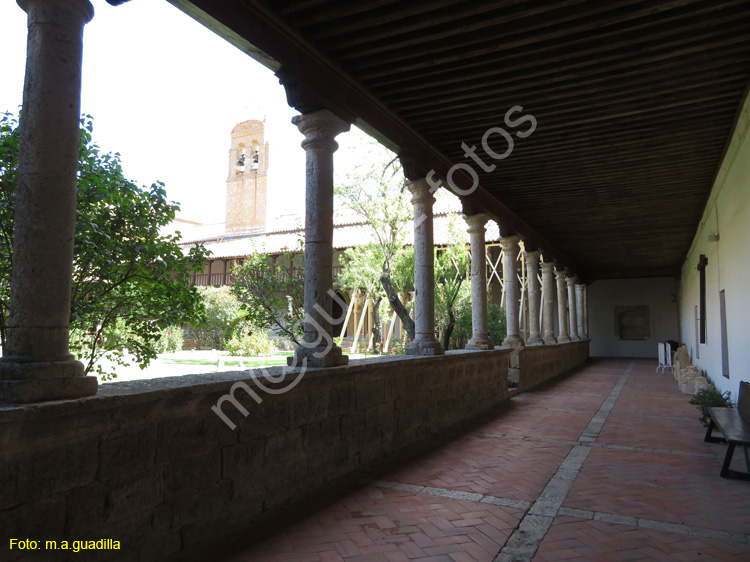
424,272
320,128
548,318
562,308
535,297
579,311
572,316
37,365
510,251
586,311
479,338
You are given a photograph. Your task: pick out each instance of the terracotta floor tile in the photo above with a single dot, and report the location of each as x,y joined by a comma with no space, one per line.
597,540
380,524
660,486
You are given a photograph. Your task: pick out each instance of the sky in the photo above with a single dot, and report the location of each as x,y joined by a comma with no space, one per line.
165,92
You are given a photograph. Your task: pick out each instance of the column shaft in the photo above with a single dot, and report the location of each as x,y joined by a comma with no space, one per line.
480,338
37,364
579,311
320,128
424,272
535,297
562,308
586,311
572,316
510,252
548,316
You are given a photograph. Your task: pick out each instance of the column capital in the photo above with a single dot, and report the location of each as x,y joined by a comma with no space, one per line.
420,191
533,255
511,240
571,281
56,10
560,274
320,128
476,222
547,266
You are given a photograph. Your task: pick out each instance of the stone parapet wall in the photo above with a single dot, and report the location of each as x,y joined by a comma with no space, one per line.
149,464
538,364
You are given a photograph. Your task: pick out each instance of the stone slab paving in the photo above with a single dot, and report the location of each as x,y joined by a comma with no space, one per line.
605,464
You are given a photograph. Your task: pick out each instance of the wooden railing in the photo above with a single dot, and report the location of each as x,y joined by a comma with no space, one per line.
213,279
221,279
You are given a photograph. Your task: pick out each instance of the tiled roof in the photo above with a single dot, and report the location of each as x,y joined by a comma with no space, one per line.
348,231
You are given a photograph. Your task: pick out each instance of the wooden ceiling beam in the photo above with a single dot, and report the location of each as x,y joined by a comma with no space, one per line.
732,47
570,20
388,74
533,67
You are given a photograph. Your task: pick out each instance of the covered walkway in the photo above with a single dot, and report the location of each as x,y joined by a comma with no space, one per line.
607,463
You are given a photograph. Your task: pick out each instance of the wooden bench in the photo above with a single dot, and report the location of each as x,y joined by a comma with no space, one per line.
734,424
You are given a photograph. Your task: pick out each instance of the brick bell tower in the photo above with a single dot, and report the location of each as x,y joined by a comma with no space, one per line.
246,184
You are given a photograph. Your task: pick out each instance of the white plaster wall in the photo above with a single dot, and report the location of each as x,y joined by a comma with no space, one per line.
728,215
658,293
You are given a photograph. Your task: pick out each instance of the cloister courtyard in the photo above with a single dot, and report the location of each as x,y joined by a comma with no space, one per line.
607,145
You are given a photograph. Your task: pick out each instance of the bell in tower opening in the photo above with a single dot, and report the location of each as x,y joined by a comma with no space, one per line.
247,181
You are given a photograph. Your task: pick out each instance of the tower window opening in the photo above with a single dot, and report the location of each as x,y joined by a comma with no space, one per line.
255,159
241,162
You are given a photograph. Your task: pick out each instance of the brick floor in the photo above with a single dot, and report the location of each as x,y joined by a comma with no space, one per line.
572,539
649,488
509,468
377,524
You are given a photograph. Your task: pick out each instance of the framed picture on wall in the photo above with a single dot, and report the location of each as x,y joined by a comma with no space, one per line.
632,323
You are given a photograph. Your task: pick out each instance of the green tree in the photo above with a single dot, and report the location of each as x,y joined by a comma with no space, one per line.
463,330
451,288
223,318
362,270
374,191
129,281
272,292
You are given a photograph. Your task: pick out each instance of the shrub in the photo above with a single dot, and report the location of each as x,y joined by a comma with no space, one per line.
171,340
223,319
463,330
256,344
707,398
398,347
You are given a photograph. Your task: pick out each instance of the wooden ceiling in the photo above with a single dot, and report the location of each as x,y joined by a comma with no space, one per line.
635,102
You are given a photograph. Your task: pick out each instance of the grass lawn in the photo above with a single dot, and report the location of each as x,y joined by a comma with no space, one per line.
200,362
279,358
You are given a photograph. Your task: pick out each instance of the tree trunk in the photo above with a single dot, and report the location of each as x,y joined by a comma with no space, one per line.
449,329
451,317
376,335
398,306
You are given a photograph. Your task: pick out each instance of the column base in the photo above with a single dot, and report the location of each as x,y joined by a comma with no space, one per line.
563,339
481,342
425,347
513,341
318,357
536,340
575,338
550,340
24,382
